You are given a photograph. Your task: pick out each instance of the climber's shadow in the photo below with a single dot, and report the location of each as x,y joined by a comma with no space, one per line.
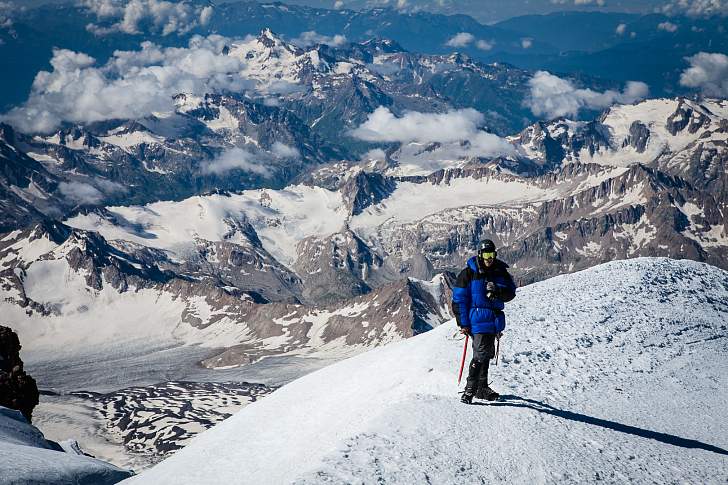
522,402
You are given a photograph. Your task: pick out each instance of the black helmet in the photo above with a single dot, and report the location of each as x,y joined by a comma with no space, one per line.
486,246
486,249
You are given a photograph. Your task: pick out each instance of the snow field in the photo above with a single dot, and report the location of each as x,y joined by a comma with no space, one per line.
615,373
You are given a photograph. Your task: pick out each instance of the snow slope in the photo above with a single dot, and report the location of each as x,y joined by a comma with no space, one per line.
615,373
26,457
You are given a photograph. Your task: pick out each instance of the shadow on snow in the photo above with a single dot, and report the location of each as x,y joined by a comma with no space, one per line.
522,402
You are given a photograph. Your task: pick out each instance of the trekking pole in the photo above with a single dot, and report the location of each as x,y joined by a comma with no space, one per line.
462,363
497,348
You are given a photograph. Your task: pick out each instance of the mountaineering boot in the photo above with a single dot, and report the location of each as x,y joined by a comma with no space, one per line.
487,393
484,391
472,382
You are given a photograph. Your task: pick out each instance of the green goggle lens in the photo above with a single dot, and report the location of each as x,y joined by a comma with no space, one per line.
487,255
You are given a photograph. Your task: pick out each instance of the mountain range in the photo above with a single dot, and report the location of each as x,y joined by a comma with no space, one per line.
643,180
604,44
207,215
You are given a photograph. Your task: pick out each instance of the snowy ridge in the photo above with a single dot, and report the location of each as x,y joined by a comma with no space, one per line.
665,131
648,333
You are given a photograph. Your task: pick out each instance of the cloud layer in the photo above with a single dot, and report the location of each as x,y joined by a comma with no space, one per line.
136,16
89,193
132,84
383,126
80,193
235,159
307,39
552,96
667,26
697,8
456,134
464,39
6,14
259,162
599,3
461,39
707,72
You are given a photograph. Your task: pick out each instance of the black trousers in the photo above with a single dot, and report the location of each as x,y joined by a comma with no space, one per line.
483,346
483,351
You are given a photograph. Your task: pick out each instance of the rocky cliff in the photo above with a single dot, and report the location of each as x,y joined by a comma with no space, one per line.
17,389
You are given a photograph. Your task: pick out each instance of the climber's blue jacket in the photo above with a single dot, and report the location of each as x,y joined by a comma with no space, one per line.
470,304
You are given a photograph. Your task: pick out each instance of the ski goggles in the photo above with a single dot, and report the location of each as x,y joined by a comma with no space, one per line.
488,255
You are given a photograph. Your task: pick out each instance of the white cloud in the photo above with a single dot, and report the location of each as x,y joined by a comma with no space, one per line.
7,11
484,45
697,8
707,72
382,125
135,16
80,193
131,85
600,3
109,187
92,192
384,68
338,5
526,43
667,26
373,155
281,150
461,39
398,4
307,39
621,29
235,159
281,87
553,96
455,134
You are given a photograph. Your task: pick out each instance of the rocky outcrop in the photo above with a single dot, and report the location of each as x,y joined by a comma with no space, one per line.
17,389
337,267
686,116
639,134
365,189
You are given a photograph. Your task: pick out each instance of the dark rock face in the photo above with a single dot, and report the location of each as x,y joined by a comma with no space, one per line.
639,134
593,137
17,389
686,117
366,189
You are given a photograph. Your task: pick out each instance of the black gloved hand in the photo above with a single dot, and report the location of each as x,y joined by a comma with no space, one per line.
491,290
